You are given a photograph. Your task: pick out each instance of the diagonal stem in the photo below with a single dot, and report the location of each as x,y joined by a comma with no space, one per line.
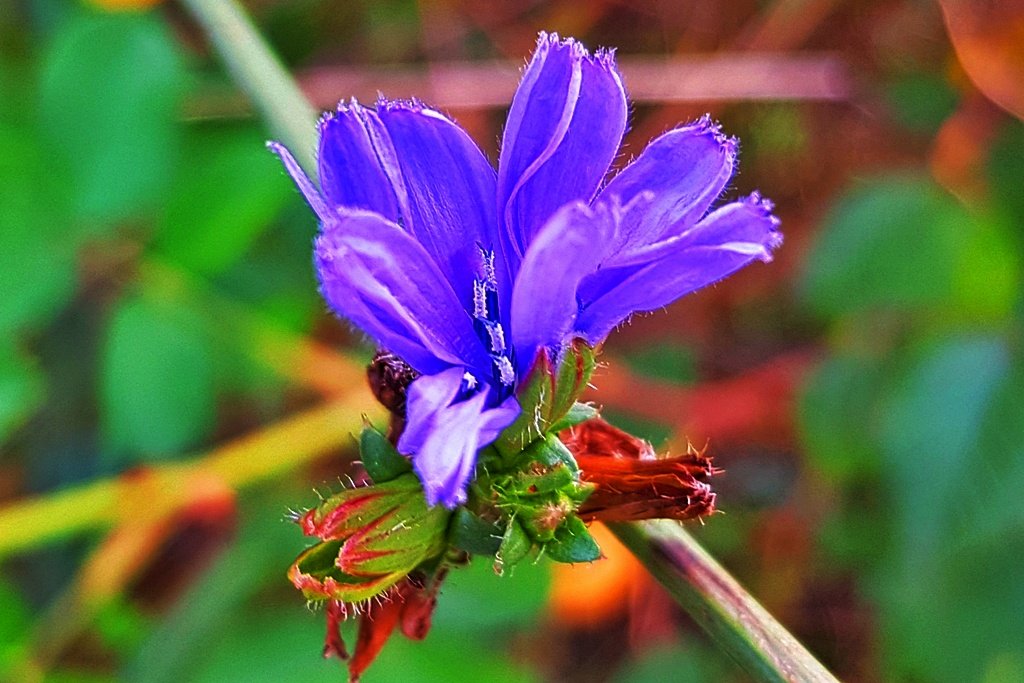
257,70
719,604
701,586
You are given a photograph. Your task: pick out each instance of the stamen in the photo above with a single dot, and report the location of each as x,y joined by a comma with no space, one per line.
490,279
506,373
479,300
497,335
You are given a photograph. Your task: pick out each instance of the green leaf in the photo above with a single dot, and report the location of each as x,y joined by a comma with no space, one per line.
225,195
664,361
836,415
15,626
930,422
158,379
475,601
890,244
690,663
121,625
21,390
1005,168
38,240
953,440
110,93
987,271
922,101
573,543
381,460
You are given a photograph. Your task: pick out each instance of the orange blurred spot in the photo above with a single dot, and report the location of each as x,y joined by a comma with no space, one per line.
960,148
989,41
588,594
123,5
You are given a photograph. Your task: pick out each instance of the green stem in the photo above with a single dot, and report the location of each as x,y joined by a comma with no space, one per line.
719,605
715,600
261,75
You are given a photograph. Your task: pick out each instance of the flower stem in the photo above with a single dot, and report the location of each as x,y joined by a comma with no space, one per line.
719,605
261,75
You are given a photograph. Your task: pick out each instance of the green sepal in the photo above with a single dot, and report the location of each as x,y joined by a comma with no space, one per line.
315,573
547,395
515,546
399,541
474,535
319,559
380,459
573,543
546,516
349,511
550,452
574,373
578,414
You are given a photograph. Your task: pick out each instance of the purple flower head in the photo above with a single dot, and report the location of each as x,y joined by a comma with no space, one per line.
468,274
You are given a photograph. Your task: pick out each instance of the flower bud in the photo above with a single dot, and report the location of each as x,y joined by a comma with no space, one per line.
371,538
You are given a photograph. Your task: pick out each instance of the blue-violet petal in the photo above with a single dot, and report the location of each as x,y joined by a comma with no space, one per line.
443,436
685,170
358,166
544,301
450,185
378,276
723,242
564,128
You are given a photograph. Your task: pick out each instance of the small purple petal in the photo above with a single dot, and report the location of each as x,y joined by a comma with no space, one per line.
685,170
358,165
544,301
378,276
443,437
427,395
302,181
451,187
564,128
725,241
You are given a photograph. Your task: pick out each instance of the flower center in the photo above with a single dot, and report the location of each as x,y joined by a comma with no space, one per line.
488,324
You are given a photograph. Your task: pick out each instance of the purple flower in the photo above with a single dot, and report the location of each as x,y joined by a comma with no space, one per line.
467,274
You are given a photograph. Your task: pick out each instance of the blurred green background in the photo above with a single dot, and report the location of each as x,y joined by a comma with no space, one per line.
170,382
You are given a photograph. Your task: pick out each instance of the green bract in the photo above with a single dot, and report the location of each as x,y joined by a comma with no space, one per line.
528,485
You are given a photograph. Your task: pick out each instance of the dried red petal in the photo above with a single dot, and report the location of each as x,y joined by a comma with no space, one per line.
632,483
333,644
418,612
375,627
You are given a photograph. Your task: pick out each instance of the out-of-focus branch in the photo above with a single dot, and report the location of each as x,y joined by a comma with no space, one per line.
717,602
243,462
755,406
490,84
257,70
